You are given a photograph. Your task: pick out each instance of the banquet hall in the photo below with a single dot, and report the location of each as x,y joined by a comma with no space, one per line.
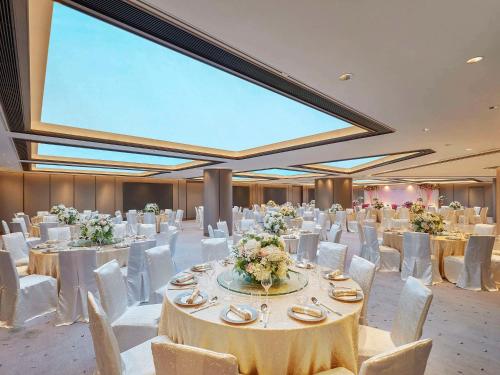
249,187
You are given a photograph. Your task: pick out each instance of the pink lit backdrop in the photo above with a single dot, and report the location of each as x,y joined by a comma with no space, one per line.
399,194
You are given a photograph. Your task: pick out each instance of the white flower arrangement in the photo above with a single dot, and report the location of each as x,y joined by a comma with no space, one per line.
288,211
336,207
456,205
261,256
98,230
152,207
271,203
274,223
57,209
417,208
69,215
428,223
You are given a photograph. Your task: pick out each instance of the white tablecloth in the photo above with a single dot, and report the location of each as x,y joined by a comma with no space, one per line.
287,346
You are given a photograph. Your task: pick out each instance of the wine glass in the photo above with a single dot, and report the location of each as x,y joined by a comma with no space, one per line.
266,283
227,277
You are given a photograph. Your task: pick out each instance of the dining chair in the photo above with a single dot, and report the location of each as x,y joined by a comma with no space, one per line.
161,239
484,229
214,249
22,223
132,323
59,234
23,299
149,218
417,259
308,225
119,230
136,273
222,225
172,242
341,219
334,234
171,358
404,213
385,258
308,246
409,359
362,271
50,219
210,231
5,227
16,245
148,230
137,360
178,219
332,255
161,269
364,251
414,304
352,225
76,278
472,271
247,224
44,230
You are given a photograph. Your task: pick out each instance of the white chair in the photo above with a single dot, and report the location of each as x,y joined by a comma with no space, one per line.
132,221
467,217
400,224
133,324
308,246
247,224
44,230
409,359
352,225
166,227
404,213
170,358
363,272
308,225
59,234
50,219
76,279
148,230
137,360
214,249
210,231
120,230
118,219
22,222
387,215
472,271
332,255
334,234
162,238
481,215
42,213
341,219
385,258
149,218
222,225
417,259
321,225
136,272
364,250
172,242
484,229
161,269
23,299
414,303
16,245
5,226
178,219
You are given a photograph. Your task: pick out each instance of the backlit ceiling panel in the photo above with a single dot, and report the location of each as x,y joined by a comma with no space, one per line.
87,169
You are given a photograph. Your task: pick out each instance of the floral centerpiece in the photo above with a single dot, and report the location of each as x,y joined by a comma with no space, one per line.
417,208
336,207
98,230
288,211
378,204
274,223
57,209
408,204
152,207
68,216
428,223
456,205
261,256
271,203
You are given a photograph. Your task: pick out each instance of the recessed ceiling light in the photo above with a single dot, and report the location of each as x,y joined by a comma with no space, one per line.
468,149
345,76
474,60
447,144
426,129
494,107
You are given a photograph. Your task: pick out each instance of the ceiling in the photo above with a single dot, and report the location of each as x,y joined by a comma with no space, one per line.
409,73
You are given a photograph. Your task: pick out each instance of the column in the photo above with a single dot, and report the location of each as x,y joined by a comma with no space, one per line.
333,190
496,199
217,198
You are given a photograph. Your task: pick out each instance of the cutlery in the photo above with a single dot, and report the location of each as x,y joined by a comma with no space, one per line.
266,319
263,309
212,302
183,288
317,303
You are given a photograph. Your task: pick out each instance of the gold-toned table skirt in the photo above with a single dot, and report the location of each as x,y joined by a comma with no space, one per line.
161,218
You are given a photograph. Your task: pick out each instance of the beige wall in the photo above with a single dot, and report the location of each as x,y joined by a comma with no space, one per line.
469,195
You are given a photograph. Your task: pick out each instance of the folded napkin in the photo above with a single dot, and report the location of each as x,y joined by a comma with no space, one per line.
312,311
332,275
193,296
202,266
345,293
184,278
243,314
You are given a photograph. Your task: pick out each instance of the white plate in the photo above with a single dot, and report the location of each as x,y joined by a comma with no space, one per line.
341,277
305,317
181,298
201,267
309,266
356,298
230,317
192,281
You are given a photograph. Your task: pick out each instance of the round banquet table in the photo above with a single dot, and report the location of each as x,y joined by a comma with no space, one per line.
42,263
286,346
161,218
441,246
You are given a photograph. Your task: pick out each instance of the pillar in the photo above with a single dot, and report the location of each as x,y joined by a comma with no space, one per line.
496,199
217,198
333,190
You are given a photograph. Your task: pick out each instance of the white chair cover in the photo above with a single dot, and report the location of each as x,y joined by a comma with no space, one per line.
385,258
5,226
219,234
162,238
172,242
76,279
137,277
332,255
149,218
417,257
120,230
363,272
247,224
404,213
160,270
340,219
42,213
364,250
178,218
484,229
387,215
210,231
222,225
148,230
334,234
59,233
15,243
21,221
308,246
131,222
26,298
409,359
132,325
44,230
401,224
308,225
50,219
214,249
170,358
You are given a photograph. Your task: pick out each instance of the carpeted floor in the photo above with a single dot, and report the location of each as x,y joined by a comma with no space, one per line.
464,325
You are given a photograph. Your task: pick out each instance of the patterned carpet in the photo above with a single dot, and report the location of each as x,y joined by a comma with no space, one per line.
464,325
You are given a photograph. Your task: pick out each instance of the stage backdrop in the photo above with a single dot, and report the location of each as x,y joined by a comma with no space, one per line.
399,194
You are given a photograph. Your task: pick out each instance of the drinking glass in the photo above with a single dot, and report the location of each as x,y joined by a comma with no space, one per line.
228,279
266,283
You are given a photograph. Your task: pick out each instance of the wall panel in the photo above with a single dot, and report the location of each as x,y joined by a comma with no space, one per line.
241,196
296,194
61,189
84,192
11,195
105,194
36,193
194,197
278,195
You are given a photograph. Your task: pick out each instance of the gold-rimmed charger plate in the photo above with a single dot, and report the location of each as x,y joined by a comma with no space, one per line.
341,277
192,281
358,297
305,317
230,317
181,298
